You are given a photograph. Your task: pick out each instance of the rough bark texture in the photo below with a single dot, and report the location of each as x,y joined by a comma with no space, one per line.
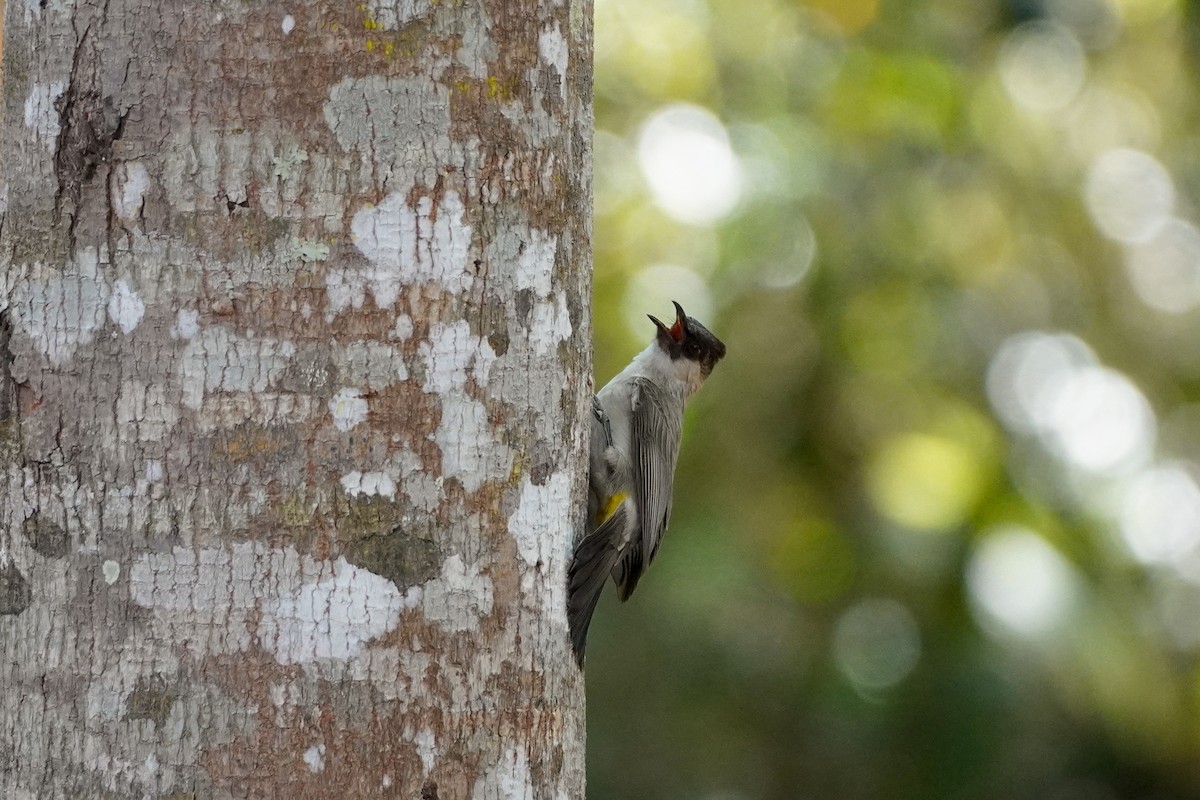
294,358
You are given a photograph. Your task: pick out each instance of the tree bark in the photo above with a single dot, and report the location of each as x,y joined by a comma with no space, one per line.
294,377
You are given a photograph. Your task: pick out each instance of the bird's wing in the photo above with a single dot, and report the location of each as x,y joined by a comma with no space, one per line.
594,558
657,418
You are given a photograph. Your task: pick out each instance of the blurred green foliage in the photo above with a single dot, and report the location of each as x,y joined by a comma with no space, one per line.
936,519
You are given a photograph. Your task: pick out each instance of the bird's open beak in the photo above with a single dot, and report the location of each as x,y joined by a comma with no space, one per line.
678,332
680,329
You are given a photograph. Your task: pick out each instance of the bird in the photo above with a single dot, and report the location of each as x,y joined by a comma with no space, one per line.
637,424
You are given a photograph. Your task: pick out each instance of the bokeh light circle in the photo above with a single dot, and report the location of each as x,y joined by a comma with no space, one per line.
689,164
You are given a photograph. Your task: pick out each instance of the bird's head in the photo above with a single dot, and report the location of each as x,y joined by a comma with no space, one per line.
690,342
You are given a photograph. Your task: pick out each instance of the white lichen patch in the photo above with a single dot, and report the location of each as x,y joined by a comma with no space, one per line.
508,779
130,183
309,251
452,351
424,491
550,324
222,600
125,307
377,115
470,450
403,329
333,618
537,526
427,750
289,163
459,597
348,408
219,360
61,309
357,483
535,265
372,364
428,243
187,324
145,411
40,114
314,757
553,49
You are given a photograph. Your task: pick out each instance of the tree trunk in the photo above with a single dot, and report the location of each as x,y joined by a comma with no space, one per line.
295,355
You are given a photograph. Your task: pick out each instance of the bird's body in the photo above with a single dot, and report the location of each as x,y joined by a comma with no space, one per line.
636,430
646,396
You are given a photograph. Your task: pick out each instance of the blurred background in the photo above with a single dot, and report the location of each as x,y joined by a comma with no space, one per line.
937,515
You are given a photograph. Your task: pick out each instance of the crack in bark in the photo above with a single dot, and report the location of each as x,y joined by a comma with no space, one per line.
89,124
8,386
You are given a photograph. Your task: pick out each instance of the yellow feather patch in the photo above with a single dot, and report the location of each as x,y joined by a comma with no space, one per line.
611,507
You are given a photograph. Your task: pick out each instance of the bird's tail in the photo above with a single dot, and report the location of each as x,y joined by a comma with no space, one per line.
594,558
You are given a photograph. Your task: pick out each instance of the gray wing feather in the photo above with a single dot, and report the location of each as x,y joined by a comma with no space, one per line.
593,559
600,471
657,419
